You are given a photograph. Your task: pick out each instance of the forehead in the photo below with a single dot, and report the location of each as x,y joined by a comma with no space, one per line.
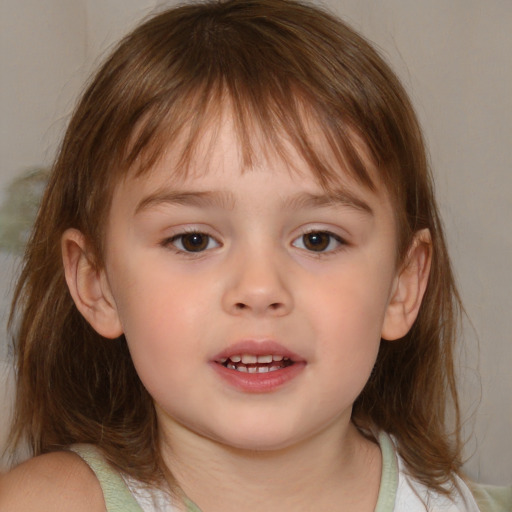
222,141
216,162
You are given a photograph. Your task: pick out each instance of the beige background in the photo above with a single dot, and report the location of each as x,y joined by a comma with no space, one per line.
454,56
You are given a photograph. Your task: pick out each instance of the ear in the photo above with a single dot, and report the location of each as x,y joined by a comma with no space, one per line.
88,285
409,287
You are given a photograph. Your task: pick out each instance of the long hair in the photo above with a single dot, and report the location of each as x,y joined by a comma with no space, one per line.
274,60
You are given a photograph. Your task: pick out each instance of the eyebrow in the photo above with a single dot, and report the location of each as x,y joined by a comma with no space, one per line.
226,200
336,198
186,198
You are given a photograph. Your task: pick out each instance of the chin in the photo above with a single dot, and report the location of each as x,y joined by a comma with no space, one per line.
262,438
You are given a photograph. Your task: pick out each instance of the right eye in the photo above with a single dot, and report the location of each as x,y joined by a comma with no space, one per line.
193,242
319,242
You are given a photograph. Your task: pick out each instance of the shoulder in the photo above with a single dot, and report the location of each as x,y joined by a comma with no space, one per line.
58,481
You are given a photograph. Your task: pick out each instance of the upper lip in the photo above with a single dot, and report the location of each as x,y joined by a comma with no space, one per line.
257,348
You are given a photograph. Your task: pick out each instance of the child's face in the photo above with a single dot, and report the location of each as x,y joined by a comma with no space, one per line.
213,272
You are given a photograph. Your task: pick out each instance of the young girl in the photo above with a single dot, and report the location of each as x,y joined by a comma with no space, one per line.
237,294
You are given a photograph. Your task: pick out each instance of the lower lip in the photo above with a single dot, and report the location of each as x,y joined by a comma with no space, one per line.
259,382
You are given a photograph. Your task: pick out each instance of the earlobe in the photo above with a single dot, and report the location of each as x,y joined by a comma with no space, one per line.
409,288
88,285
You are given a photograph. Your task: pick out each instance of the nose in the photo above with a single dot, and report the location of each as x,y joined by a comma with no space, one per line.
256,286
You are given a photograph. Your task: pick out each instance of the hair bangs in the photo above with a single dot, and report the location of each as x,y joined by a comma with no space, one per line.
275,101
268,123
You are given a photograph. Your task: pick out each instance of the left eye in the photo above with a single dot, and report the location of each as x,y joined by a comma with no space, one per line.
194,242
318,241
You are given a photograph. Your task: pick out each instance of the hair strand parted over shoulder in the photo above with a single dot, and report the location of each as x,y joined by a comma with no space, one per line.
274,61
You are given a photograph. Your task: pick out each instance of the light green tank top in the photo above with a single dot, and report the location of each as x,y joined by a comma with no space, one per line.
397,493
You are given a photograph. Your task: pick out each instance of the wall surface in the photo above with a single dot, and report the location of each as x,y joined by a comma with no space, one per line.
453,57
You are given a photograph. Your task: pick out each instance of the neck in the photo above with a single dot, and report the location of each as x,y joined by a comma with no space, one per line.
314,474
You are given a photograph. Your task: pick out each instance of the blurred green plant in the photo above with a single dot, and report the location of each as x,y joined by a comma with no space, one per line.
19,208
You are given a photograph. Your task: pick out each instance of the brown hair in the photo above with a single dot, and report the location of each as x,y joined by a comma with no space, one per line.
272,59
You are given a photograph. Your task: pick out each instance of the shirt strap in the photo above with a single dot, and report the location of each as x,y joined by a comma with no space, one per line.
116,494
389,477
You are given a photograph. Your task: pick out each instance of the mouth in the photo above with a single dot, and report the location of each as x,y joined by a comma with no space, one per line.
250,363
258,366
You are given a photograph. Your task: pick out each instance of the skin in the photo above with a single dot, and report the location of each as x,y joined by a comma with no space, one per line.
54,482
257,278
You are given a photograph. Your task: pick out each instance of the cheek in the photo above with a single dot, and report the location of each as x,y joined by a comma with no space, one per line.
355,300
151,295
162,318
164,346
348,315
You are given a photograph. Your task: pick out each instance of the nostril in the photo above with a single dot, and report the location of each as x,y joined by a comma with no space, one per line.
273,307
259,306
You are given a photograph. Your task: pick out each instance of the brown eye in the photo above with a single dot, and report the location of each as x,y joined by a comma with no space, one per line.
193,242
318,241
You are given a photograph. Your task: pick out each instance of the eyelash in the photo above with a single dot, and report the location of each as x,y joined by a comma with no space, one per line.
177,242
332,239
327,242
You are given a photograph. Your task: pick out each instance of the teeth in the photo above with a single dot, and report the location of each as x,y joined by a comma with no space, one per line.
250,363
252,359
253,369
248,359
